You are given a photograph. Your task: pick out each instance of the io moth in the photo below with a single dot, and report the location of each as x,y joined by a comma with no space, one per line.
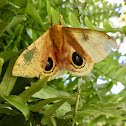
73,49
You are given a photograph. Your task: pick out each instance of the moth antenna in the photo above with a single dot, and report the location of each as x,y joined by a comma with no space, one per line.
51,21
60,19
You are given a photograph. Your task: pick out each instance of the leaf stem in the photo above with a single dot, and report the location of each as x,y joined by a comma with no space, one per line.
76,105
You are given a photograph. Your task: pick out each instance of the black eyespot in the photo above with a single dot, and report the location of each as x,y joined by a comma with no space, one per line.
49,64
77,59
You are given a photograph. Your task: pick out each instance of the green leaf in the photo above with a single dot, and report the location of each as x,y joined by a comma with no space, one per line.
80,83
16,20
34,35
49,92
97,109
18,120
89,77
110,70
51,120
19,30
63,109
30,32
72,84
3,3
8,80
21,3
42,103
33,12
45,93
107,26
34,88
113,120
73,21
123,30
7,55
120,74
100,65
1,64
5,109
48,7
96,120
18,103
89,24
54,107
55,16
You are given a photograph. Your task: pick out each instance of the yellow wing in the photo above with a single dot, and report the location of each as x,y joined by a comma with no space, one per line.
32,61
96,43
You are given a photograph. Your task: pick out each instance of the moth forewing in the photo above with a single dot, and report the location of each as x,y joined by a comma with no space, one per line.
29,62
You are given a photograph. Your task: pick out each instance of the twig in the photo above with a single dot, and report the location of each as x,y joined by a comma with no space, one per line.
76,105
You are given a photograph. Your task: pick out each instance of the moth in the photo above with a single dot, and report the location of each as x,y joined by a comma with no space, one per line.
63,48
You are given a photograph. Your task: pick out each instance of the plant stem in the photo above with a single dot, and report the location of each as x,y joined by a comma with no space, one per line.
76,105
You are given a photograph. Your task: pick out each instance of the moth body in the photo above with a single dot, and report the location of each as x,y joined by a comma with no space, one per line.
58,43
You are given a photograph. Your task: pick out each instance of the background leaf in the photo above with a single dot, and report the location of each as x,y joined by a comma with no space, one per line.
33,12
1,64
73,21
107,26
33,89
8,80
16,20
88,23
19,103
